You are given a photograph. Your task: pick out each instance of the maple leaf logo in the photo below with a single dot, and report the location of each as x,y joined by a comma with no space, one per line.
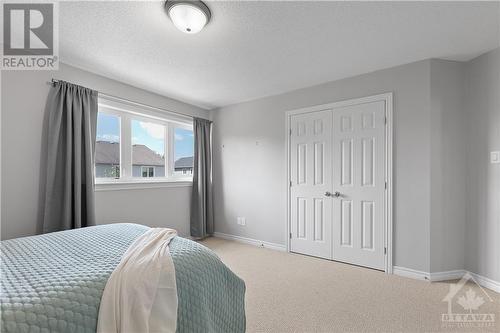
470,301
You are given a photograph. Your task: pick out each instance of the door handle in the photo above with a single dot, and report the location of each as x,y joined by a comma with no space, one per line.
336,194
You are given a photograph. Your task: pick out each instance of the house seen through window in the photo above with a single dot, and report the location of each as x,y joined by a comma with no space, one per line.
107,150
148,149
183,147
132,145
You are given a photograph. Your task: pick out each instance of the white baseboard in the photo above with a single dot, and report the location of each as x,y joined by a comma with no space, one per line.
410,273
397,270
486,282
447,275
251,241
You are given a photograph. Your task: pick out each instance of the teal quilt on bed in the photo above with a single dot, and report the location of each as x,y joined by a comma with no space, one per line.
54,282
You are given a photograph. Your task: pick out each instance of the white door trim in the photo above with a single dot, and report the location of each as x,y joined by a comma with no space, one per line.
388,213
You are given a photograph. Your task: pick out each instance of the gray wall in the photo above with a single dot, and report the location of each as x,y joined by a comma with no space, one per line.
482,102
154,207
448,195
250,162
22,121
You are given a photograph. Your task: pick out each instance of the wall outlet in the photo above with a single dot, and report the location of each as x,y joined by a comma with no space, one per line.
241,221
495,157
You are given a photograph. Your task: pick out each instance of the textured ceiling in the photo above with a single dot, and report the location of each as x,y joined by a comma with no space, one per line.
255,49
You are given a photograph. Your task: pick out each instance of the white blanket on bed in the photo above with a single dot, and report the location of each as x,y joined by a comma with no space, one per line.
141,293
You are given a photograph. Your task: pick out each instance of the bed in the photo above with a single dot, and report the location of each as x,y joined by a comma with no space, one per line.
54,282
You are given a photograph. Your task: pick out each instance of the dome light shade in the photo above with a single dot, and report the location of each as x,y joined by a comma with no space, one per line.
188,16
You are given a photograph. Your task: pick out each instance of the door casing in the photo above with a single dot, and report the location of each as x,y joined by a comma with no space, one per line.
388,201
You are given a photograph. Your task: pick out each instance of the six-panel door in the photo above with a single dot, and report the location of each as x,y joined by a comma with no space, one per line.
359,176
311,178
340,150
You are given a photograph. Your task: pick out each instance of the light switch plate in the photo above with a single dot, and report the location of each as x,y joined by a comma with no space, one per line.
495,157
241,221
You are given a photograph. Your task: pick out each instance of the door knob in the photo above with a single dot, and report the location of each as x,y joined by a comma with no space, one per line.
336,194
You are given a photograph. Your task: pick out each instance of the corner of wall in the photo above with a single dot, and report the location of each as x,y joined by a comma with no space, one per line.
482,111
447,171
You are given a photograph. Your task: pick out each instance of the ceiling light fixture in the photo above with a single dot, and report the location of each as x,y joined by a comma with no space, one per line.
189,16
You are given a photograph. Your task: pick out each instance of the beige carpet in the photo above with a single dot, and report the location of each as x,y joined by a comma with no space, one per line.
296,293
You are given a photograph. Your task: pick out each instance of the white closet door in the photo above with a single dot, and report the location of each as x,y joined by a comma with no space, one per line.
311,178
359,177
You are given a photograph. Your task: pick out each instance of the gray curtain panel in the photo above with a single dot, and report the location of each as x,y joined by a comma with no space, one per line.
202,208
69,187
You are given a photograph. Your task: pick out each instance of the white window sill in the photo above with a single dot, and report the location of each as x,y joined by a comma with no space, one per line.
139,184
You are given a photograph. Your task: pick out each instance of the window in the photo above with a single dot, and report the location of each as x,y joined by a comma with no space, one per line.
184,151
138,143
147,171
107,149
148,149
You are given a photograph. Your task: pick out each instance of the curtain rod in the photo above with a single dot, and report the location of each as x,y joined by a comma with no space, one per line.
54,81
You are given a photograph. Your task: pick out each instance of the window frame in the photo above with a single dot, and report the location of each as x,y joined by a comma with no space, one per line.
128,111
